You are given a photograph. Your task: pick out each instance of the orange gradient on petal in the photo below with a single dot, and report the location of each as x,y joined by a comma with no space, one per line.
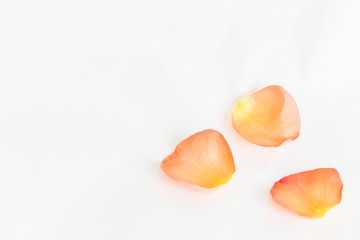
267,117
311,193
203,159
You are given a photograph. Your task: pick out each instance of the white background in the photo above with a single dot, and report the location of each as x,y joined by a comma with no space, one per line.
94,94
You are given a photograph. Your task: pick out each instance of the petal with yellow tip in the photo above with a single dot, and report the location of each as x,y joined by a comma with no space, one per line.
267,117
203,159
310,193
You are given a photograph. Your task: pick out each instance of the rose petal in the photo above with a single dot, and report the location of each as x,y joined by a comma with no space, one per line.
311,193
203,159
267,117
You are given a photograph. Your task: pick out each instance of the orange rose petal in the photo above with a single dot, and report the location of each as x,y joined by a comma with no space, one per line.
203,159
267,117
311,193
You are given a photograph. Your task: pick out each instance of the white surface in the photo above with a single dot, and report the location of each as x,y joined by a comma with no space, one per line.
94,94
